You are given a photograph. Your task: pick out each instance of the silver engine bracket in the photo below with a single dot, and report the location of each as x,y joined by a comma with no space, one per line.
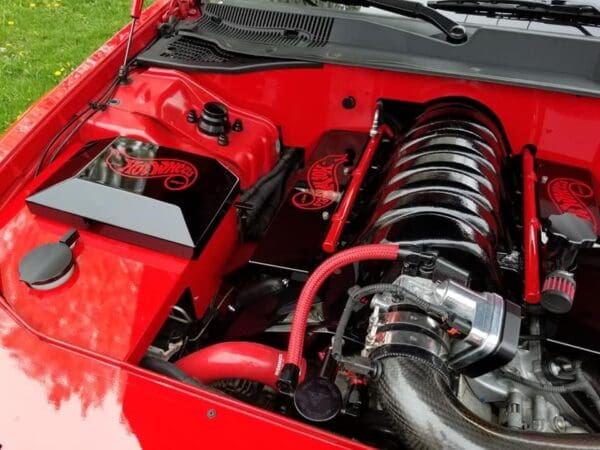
489,325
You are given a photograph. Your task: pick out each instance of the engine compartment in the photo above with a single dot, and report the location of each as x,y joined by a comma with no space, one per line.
386,246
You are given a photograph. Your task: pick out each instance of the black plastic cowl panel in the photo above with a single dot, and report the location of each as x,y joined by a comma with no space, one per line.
157,197
188,52
546,60
266,26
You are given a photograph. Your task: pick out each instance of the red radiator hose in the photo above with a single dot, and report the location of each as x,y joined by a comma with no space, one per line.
241,360
317,278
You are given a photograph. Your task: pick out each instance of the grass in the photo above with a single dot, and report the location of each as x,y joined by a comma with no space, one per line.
42,41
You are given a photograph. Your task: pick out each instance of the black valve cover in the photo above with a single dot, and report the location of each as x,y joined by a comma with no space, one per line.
157,197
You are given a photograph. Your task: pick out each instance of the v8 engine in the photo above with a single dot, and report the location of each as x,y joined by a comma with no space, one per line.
411,282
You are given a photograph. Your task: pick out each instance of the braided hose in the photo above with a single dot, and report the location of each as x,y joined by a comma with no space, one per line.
317,278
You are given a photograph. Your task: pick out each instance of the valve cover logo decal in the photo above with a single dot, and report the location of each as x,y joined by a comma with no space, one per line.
568,196
323,184
178,174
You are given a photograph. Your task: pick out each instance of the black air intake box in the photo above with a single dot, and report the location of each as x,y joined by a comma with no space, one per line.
161,198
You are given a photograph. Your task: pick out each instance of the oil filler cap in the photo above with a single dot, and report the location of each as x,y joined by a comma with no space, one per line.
50,265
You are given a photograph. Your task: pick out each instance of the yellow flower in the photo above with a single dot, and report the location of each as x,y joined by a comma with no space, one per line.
58,73
32,5
11,23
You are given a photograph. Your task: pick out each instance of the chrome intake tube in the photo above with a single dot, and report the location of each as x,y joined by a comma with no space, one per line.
425,413
444,190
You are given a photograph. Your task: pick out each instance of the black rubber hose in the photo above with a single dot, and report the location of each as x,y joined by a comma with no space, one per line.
427,415
588,387
575,386
170,370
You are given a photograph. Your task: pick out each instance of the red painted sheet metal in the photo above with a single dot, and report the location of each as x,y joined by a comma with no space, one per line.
54,397
119,295
563,127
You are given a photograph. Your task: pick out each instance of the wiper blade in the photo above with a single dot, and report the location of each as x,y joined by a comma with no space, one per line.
454,32
557,11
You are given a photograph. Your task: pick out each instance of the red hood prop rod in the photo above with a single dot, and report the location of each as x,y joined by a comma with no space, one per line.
136,8
136,12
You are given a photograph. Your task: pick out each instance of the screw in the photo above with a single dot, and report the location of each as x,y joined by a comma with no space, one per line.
237,125
192,116
325,215
349,102
211,413
223,140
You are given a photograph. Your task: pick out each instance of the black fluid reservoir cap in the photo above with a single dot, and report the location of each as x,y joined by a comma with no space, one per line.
50,265
318,399
214,119
572,229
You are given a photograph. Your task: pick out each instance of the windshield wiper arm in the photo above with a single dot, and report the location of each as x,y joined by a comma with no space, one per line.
557,11
454,32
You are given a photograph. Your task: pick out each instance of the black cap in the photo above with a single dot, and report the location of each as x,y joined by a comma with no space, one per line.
568,234
572,229
214,119
49,265
318,400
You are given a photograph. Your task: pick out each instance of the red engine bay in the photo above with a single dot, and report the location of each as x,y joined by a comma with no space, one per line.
211,226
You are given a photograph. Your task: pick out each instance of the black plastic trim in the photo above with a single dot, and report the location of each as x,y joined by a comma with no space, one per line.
555,62
186,51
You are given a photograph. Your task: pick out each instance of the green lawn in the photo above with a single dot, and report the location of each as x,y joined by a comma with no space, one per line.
41,41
